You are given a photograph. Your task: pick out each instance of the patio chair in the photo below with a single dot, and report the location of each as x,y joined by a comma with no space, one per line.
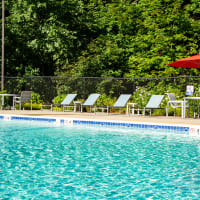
25,97
66,103
121,102
175,104
90,101
153,103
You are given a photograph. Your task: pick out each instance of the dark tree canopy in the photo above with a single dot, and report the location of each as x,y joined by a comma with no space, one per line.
99,38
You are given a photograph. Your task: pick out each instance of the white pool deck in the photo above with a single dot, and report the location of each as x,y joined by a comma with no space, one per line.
103,116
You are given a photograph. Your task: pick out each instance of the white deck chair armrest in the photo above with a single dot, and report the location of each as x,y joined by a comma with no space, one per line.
177,101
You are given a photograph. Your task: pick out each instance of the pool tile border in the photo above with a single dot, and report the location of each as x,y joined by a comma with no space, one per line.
190,130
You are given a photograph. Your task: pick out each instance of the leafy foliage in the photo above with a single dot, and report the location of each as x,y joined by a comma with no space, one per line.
93,38
59,99
35,98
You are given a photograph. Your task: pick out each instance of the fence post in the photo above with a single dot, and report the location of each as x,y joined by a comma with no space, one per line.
84,88
134,86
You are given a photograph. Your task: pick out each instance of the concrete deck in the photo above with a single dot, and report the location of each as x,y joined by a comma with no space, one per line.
104,116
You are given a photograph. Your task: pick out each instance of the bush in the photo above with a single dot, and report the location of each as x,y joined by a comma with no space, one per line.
141,96
36,98
35,106
104,100
59,99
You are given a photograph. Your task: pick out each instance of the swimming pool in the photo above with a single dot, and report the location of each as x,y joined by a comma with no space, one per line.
46,161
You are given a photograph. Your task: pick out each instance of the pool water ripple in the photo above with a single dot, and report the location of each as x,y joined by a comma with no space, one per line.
40,161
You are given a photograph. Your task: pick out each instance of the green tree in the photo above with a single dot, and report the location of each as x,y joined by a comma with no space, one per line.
166,35
45,35
107,55
116,38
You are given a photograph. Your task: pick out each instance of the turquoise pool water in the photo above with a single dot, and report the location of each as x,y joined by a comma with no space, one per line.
42,161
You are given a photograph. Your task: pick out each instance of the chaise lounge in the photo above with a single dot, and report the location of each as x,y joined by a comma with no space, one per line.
120,103
153,103
66,103
90,101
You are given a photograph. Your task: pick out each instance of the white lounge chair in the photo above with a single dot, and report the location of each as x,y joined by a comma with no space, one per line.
90,101
153,103
66,103
121,102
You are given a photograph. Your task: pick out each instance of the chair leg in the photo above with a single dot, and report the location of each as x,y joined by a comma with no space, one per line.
95,110
81,108
138,111
13,104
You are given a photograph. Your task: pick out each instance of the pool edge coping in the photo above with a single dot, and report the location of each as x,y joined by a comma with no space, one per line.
187,129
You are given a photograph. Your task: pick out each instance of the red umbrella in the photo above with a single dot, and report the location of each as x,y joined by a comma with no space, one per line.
190,62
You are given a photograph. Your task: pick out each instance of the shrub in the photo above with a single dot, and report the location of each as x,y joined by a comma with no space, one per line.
59,99
36,98
104,100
